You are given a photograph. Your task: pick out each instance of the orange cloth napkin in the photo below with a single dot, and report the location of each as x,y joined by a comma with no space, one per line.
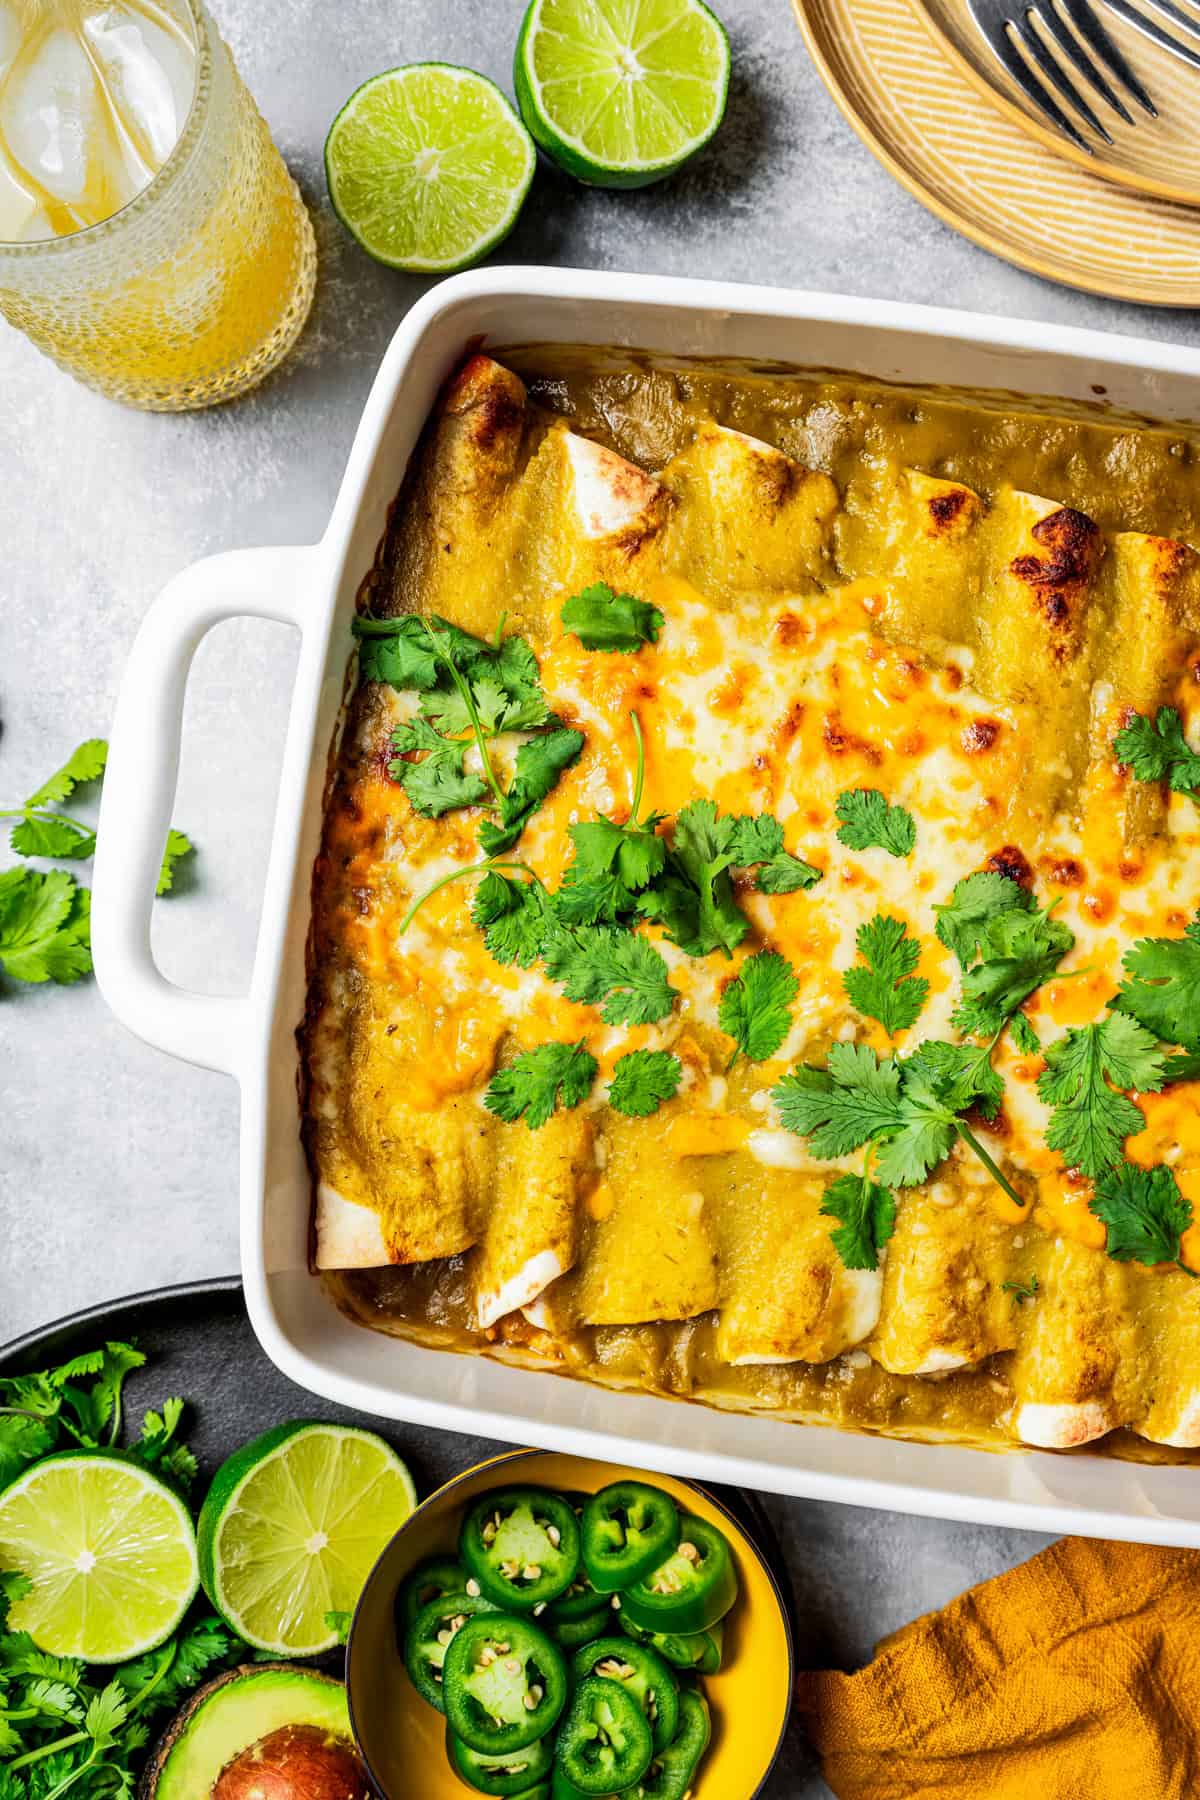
1073,1677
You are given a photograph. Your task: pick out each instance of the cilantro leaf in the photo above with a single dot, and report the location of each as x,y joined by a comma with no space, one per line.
619,971
1158,751
178,845
840,1108
785,874
86,763
1184,1067
511,915
50,835
1162,986
633,853
1020,949
1023,1035
602,620
96,1410
867,1215
887,989
702,854
1091,1120
439,782
22,1441
538,1080
978,899
1020,1290
960,1074
642,1080
397,651
598,900
1144,1211
755,1008
44,926
869,822
159,1447
540,762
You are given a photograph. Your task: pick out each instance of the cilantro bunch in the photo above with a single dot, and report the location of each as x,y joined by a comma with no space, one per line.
469,691
45,919
65,1727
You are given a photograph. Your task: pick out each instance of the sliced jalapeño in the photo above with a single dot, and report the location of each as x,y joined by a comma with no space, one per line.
629,1528
504,1683
605,1743
429,1636
642,1672
521,1545
513,1772
694,1587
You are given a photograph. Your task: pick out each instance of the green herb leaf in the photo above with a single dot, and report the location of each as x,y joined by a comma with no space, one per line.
642,1080
634,854
1091,1120
538,1080
1023,1035
1159,751
961,1075
1018,944
887,989
439,782
511,915
396,651
785,874
602,620
703,854
619,971
540,763
178,846
1162,986
49,835
86,763
851,1102
1184,1067
1144,1211
44,926
1020,1290
340,1622
867,1213
868,822
159,1448
755,1008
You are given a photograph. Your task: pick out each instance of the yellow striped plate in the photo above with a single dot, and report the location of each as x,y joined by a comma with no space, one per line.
985,174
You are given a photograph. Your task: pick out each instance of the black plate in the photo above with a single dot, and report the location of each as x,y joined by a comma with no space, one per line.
200,1344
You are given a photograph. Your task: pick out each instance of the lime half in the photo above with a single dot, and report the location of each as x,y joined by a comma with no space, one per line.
291,1528
109,1549
621,92
428,167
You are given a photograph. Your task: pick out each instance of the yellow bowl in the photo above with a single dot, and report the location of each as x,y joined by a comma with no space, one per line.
402,1739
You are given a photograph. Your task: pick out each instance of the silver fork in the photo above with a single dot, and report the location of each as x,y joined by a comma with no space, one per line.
1088,47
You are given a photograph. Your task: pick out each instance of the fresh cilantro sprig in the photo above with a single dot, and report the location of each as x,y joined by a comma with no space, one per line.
693,898
1157,750
1021,1290
537,1081
45,927
909,1110
866,1212
1084,1073
432,770
1161,989
1144,1213
755,1009
642,1080
869,822
539,765
603,620
619,971
1007,946
886,988
43,831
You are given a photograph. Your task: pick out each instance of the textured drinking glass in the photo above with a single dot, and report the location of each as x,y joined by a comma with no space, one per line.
197,288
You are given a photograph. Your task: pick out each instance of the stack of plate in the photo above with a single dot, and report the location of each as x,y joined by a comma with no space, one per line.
919,84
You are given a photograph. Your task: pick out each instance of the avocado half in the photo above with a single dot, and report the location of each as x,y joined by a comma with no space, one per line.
266,1731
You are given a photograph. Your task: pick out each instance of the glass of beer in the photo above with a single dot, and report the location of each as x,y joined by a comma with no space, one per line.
151,240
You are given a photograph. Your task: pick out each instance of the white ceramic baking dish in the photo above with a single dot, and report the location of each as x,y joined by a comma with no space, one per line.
252,1037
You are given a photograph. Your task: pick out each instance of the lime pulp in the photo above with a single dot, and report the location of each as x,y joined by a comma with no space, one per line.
110,1553
621,93
428,167
291,1528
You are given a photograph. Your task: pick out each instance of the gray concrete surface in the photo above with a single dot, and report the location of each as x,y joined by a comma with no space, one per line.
118,1167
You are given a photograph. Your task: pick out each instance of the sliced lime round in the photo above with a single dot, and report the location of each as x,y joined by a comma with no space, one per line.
291,1527
109,1550
428,167
621,94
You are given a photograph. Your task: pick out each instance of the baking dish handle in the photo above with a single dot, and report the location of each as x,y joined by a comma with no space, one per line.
139,793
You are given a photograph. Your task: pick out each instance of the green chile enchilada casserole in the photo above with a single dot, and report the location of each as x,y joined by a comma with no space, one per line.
755,949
